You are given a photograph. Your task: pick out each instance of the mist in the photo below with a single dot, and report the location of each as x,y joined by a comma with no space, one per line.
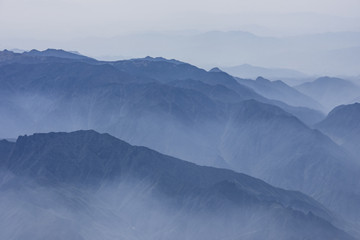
130,210
292,35
86,185
319,54
110,18
181,120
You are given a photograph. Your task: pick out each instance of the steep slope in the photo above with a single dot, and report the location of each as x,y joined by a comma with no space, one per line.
71,96
343,125
152,69
216,92
168,71
266,142
330,92
280,91
58,78
186,118
68,96
87,171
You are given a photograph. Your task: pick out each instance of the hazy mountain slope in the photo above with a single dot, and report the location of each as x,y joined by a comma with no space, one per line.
59,76
149,70
13,118
185,118
102,180
247,71
227,94
343,125
177,121
167,71
280,91
71,96
5,149
330,92
216,92
68,97
266,142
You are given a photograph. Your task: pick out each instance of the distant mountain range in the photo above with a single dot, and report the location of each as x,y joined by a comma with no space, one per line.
258,127
106,182
330,92
279,90
338,52
248,71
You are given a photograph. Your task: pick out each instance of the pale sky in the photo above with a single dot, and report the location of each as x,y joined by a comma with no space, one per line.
67,19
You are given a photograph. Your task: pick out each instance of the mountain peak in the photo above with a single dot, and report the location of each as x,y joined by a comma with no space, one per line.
216,69
262,80
330,91
345,115
332,80
158,59
350,108
6,52
60,53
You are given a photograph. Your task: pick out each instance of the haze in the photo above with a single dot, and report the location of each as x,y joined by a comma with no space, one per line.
46,19
124,29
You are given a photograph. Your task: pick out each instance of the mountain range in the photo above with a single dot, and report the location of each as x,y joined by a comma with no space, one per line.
258,127
83,183
248,71
330,92
278,90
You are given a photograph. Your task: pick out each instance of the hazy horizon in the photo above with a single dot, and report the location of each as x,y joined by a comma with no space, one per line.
46,20
110,30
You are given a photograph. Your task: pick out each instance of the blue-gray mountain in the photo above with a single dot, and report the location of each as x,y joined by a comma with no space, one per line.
280,91
343,125
205,117
86,185
167,71
247,71
330,92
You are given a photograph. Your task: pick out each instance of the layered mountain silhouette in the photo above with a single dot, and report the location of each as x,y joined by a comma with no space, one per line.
343,125
266,142
102,180
156,69
208,118
280,91
330,92
248,71
168,71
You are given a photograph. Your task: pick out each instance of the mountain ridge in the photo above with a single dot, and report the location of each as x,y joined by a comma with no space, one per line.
342,125
330,92
62,160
